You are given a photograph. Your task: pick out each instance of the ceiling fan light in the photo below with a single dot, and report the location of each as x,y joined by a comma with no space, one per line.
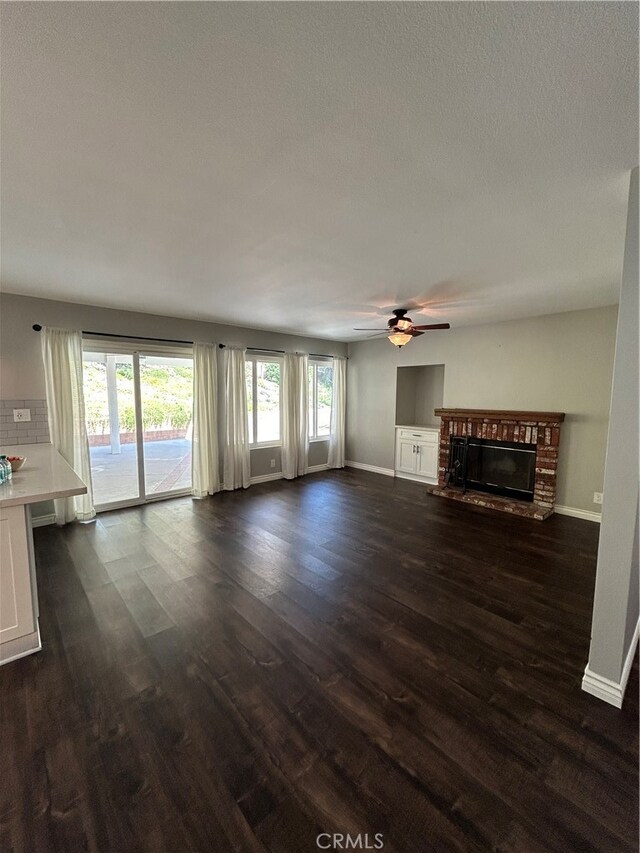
404,323
399,339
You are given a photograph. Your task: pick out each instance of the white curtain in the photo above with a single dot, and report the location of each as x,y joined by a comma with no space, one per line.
236,467
62,357
295,406
338,414
205,462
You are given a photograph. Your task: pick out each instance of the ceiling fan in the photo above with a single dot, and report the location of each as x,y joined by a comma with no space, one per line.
400,329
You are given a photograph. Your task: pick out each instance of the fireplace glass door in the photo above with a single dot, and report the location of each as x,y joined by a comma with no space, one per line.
502,467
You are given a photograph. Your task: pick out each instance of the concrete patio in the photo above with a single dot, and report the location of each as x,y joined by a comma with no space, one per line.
115,476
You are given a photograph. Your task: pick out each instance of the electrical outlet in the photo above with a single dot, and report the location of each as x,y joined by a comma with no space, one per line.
21,415
597,497
273,463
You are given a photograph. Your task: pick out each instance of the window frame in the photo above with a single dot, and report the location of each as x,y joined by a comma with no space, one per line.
253,359
315,363
137,350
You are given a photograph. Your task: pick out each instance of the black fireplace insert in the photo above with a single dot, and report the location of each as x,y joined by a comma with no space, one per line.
498,467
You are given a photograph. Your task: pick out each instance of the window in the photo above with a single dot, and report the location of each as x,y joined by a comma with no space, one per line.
320,394
263,399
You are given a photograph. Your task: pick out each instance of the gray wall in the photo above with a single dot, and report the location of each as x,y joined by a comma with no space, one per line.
22,376
406,396
559,362
615,608
430,394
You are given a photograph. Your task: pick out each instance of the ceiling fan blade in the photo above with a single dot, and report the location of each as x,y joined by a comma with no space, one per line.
371,330
414,333
433,326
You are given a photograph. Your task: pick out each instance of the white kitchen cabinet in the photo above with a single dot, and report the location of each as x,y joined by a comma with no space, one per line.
17,617
45,476
417,453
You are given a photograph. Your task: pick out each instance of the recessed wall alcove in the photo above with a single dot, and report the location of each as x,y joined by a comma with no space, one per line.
419,390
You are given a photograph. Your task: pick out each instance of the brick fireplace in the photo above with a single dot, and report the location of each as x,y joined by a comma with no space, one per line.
539,431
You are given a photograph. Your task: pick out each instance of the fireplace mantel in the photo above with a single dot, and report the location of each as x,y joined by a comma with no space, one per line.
501,415
541,429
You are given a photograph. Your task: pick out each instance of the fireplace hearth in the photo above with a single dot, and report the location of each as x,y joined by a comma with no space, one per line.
505,460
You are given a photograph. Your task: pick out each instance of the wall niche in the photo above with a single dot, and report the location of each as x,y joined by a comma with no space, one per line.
419,390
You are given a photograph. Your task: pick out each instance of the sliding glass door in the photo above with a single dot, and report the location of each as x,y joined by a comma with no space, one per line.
138,414
166,389
111,426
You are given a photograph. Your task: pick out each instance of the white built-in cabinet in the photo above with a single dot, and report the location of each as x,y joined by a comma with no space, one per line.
18,605
417,453
419,392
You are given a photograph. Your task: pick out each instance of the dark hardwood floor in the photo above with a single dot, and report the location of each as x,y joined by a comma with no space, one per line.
341,654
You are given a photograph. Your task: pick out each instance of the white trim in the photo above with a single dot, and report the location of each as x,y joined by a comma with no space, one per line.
626,669
586,514
605,689
266,478
277,475
253,358
602,688
19,644
125,504
163,496
388,472
416,478
43,520
149,499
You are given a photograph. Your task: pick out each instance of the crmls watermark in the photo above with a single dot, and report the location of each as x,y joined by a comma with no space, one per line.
341,841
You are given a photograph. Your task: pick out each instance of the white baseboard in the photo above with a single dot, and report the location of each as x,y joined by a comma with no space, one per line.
388,472
605,689
426,481
277,475
626,669
265,478
43,520
586,514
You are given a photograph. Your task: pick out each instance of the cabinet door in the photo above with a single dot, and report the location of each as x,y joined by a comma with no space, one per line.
406,459
427,457
16,605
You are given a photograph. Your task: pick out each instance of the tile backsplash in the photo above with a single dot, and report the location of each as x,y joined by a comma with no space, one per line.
35,431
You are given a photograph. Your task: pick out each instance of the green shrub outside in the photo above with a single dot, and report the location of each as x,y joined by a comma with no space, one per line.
166,391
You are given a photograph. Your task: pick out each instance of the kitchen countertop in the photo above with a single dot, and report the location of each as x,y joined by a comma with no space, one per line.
44,476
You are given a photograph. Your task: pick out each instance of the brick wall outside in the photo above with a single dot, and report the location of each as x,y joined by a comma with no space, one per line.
130,437
35,431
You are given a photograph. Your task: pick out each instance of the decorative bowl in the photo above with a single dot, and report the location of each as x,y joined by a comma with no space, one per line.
17,462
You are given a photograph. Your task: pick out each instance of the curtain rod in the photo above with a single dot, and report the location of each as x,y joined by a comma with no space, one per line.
279,351
37,327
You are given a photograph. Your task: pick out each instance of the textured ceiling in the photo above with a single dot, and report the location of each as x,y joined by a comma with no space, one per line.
312,165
